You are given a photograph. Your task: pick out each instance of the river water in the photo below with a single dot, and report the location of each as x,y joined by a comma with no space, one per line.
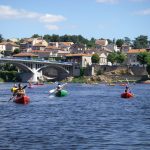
91,117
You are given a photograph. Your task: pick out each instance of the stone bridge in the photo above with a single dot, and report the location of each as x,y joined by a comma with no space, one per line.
35,70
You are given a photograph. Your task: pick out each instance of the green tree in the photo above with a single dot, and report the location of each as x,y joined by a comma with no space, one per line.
1,38
143,58
127,40
120,57
141,42
36,36
148,69
95,58
16,51
112,57
119,42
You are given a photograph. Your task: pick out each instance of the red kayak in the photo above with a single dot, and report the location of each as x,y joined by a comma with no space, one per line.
22,100
126,95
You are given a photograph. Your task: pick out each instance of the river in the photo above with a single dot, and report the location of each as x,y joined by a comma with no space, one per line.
91,117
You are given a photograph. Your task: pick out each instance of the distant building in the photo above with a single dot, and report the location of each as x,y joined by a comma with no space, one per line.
82,59
132,56
7,48
101,43
62,45
78,48
125,48
25,55
28,44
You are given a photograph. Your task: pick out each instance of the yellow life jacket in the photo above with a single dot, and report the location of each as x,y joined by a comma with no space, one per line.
14,89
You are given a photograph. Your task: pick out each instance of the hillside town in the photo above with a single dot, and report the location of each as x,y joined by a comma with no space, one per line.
40,49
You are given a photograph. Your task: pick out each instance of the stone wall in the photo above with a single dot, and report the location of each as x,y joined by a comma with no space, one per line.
134,70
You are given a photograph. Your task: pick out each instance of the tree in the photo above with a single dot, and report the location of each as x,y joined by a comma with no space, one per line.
35,36
119,42
112,57
148,69
1,38
16,51
141,42
143,58
127,40
95,58
120,57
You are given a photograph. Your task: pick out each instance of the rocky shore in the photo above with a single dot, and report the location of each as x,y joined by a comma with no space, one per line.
115,76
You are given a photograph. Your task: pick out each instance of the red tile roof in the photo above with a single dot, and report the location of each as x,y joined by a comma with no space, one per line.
68,55
134,51
25,55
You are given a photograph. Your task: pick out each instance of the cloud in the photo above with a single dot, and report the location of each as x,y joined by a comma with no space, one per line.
143,12
107,1
52,27
51,18
7,12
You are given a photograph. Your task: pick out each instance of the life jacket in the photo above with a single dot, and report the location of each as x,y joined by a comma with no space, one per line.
20,91
14,89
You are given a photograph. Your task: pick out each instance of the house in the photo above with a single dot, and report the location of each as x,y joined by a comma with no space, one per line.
125,48
62,45
38,46
39,40
77,48
101,43
28,44
132,56
8,48
2,47
25,56
50,55
112,47
82,59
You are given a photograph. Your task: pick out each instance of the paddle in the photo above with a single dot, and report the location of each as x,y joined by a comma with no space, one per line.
128,84
16,93
54,90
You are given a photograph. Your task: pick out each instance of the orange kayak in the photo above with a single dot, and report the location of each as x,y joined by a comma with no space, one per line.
126,95
22,100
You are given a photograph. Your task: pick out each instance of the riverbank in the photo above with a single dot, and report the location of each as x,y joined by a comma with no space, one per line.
102,79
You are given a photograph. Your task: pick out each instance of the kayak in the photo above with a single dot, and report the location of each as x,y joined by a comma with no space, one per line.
111,84
122,84
38,83
126,95
61,93
30,86
22,100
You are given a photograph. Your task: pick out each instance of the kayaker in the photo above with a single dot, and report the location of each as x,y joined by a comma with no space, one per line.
14,88
59,87
127,89
20,90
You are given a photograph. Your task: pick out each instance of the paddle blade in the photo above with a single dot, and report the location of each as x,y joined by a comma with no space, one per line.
52,91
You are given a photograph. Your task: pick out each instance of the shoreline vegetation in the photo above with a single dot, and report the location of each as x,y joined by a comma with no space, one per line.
112,77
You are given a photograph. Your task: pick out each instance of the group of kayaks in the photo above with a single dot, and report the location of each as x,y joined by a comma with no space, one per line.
26,99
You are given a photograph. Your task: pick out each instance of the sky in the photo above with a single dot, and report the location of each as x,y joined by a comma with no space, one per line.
97,19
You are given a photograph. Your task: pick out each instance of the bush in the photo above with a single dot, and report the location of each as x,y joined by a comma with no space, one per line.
10,76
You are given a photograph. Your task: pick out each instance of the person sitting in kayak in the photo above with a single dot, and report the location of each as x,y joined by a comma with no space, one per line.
14,91
20,90
127,89
58,88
